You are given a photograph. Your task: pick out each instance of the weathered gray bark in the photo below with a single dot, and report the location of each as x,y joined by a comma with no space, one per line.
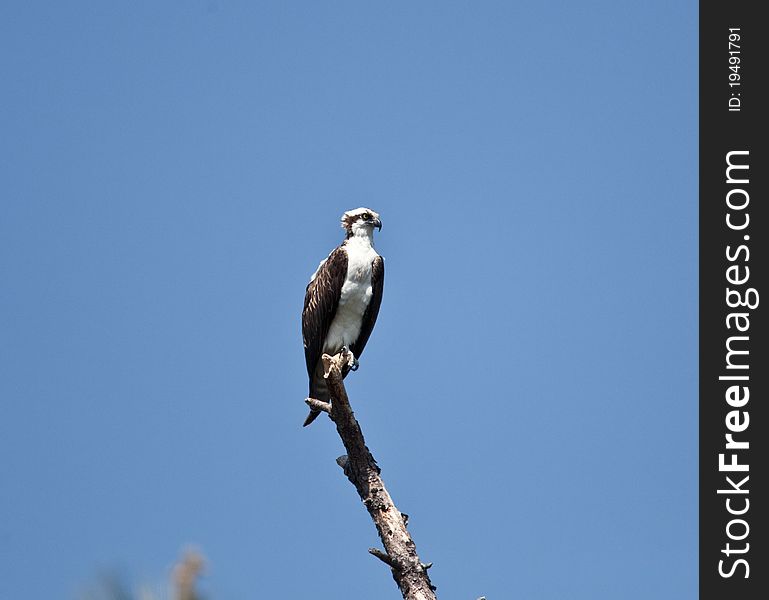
361,469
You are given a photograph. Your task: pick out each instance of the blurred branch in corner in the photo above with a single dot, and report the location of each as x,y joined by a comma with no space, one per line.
186,573
114,585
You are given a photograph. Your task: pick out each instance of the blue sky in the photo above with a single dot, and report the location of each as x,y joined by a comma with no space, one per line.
172,173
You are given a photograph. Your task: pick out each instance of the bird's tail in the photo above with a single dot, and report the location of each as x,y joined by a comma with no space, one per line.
311,417
319,391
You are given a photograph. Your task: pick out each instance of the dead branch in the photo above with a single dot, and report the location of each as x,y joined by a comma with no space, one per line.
361,469
318,405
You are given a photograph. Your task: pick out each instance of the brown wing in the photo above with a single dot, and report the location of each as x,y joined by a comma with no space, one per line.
320,304
369,317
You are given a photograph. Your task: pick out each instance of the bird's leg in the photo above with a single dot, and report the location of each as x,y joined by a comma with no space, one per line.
352,362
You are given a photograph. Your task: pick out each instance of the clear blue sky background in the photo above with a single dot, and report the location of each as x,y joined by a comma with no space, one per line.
172,173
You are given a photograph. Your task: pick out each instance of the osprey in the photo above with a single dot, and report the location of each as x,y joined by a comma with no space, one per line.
342,300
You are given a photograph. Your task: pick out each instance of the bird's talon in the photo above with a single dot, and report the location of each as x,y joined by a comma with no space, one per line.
352,362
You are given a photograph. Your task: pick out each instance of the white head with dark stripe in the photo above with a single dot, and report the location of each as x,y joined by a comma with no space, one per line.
360,222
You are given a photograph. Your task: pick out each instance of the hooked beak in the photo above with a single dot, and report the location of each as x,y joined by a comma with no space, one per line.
378,224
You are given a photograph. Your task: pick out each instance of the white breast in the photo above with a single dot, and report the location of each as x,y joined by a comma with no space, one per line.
355,298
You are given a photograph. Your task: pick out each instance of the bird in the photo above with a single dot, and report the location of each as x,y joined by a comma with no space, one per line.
342,300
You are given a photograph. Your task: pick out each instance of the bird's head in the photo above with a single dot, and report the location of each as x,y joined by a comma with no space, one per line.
361,221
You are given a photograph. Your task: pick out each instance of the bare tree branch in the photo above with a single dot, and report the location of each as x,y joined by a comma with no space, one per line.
361,469
383,556
318,405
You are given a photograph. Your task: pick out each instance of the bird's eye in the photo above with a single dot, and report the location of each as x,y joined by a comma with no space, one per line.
366,216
